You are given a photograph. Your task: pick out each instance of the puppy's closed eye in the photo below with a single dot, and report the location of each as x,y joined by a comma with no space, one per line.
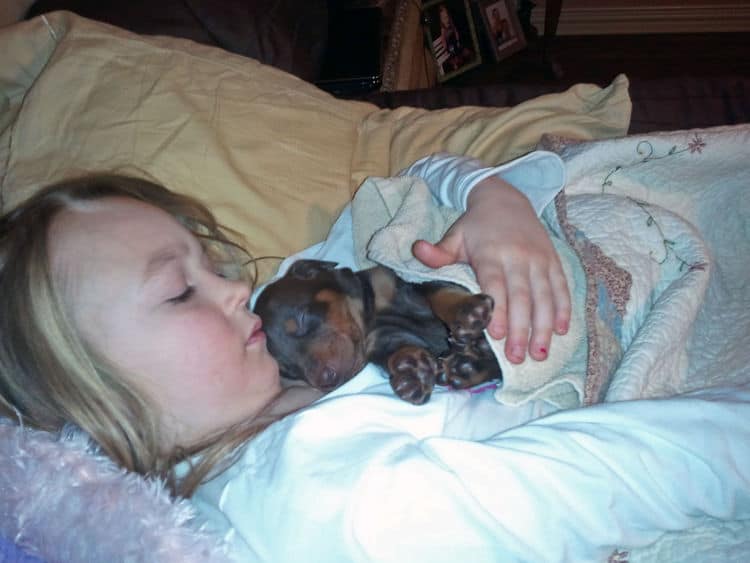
301,324
291,326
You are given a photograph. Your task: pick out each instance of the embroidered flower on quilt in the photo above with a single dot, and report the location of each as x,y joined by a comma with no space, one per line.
696,144
647,153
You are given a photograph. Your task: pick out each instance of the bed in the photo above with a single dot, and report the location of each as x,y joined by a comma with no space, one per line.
79,95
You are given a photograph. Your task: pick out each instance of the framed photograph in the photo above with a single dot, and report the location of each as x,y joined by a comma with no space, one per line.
451,36
502,26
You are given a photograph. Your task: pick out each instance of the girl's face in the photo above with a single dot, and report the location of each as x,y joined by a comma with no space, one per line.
146,297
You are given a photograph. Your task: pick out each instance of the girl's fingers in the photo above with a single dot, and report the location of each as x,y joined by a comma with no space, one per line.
429,254
561,297
519,314
543,315
492,282
526,282
446,251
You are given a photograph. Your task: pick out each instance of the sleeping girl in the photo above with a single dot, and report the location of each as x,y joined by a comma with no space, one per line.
124,311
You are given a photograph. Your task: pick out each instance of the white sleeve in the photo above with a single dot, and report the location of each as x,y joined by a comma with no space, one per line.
572,486
539,175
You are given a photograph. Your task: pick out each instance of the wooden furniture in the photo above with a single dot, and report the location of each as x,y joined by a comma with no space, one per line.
408,63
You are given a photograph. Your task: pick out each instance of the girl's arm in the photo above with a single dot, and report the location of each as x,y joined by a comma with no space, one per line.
500,236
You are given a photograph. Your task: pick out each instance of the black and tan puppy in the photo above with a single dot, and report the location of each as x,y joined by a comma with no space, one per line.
324,323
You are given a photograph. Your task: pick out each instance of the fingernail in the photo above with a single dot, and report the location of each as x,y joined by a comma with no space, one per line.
497,330
562,327
516,353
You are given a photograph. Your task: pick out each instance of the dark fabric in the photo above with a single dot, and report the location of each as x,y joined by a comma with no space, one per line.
688,102
287,34
665,104
497,95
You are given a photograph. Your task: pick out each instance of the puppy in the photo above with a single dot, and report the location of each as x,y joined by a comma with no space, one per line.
324,323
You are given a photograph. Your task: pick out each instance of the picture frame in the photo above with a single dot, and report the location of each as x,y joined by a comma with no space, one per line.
503,29
451,37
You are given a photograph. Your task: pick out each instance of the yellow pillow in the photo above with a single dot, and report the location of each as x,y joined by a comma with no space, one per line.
273,156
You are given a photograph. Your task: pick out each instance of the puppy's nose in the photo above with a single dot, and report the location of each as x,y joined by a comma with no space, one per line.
329,378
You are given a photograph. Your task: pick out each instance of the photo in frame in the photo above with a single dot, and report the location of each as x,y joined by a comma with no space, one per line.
451,36
502,27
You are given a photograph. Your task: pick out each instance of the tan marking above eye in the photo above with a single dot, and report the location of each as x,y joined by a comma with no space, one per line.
342,312
327,296
291,326
356,312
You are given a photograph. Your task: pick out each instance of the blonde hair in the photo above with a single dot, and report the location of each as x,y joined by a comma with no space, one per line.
49,376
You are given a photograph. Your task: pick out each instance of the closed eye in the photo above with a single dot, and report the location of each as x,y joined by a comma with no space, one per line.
308,320
301,322
182,297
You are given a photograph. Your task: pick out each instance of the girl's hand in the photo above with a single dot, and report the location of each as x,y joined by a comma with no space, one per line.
502,239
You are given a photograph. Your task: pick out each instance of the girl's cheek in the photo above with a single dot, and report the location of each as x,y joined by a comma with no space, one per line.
206,333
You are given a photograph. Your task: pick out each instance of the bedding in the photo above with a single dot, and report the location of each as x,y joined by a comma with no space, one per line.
60,500
366,477
662,269
266,150
83,96
701,177
387,214
637,272
672,210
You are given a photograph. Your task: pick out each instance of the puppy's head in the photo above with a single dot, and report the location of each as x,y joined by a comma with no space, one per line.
313,320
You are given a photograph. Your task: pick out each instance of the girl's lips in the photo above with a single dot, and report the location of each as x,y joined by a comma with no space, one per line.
257,335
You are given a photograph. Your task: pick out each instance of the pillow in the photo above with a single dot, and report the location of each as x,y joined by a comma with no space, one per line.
273,156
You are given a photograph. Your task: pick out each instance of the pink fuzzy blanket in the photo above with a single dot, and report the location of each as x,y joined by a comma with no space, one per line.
61,502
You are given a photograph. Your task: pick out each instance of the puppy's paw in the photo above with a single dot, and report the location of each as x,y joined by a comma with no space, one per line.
469,366
472,317
412,373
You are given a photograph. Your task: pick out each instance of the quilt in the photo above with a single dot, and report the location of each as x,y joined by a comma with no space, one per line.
693,188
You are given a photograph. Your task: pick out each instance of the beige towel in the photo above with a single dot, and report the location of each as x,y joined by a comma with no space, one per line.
389,214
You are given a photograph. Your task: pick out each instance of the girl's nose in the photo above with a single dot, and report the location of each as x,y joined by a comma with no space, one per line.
237,294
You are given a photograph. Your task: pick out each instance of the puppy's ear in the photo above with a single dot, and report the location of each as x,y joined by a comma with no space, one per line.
308,269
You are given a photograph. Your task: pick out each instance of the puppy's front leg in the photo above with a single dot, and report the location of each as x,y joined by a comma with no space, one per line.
465,314
412,372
